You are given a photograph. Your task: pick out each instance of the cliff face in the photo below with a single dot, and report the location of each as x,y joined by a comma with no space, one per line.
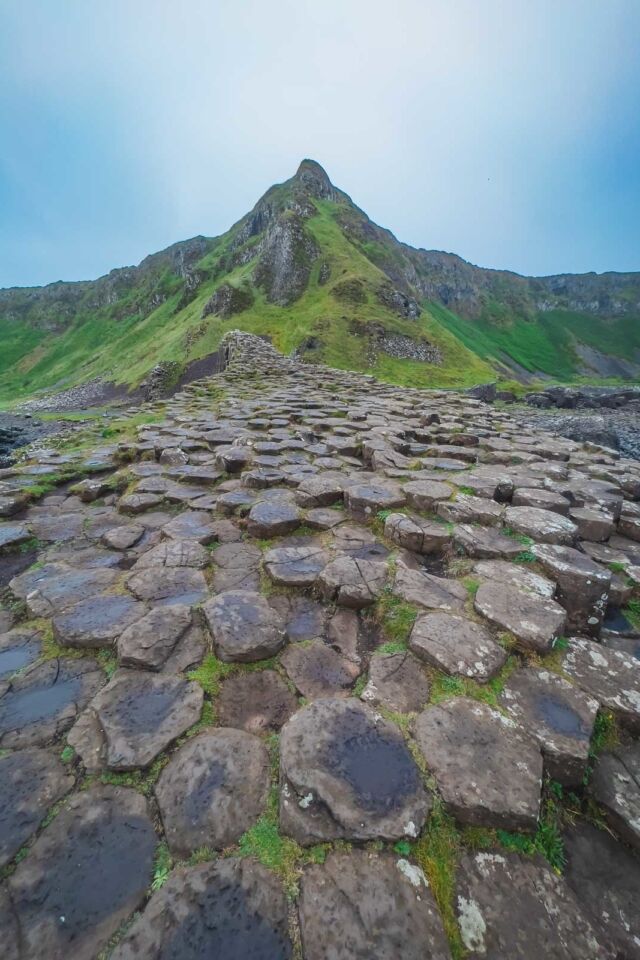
307,248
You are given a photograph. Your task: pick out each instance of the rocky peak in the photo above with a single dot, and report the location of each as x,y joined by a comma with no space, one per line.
315,181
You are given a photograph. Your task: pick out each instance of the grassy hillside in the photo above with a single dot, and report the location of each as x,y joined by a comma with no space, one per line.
309,269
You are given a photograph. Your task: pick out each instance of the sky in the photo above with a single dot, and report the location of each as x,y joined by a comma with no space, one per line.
507,131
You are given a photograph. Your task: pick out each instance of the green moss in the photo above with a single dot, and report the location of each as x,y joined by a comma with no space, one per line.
395,616
632,613
438,851
162,866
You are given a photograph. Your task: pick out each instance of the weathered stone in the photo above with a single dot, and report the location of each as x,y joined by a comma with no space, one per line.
135,503
485,543
295,566
365,500
98,621
31,781
123,537
320,491
151,640
56,586
469,509
13,534
501,571
488,772
592,525
396,682
238,567
362,904
457,646
273,519
87,872
317,670
416,534
502,898
616,787
543,526
321,518
41,703
540,499
212,790
243,626
233,459
609,676
558,715
352,582
18,649
583,586
174,553
533,620
425,494
605,878
169,585
134,718
191,525
257,702
347,773
231,909
425,590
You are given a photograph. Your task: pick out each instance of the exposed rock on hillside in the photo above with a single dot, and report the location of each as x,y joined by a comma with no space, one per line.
228,300
287,254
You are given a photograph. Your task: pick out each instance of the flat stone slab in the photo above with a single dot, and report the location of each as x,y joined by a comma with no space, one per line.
97,621
583,586
467,509
135,503
56,587
362,904
421,536
191,525
425,590
320,491
212,790
86,873
231,909
244,627
295,566
365,500
457,646
273,519
175,553
425,494
346,773
303,617
616,787
134,718
485,543
257,702
237,567
31,781
169,585
18,649
352,582
317,670
149,642
543,526
533,620
558,715
396,682
488,772
609,676
43,702
13,535
508,905
501,571
123,537
605,877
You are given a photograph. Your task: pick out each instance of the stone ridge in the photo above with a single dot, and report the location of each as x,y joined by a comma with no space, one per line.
326,641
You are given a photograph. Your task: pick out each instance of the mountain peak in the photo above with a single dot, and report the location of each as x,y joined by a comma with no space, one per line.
315,180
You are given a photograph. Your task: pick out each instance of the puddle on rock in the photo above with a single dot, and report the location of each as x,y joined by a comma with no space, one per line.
377,765
615,620
12,564
15,658
21,708
560,717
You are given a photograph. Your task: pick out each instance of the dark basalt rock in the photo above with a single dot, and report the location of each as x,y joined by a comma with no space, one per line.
88,871
228,300
232,909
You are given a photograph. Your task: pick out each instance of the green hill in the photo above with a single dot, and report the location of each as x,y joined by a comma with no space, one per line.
307,268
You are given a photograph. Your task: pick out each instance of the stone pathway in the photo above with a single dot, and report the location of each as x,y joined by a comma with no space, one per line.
308,666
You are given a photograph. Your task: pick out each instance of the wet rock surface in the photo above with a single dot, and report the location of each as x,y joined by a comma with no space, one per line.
291,609
233,909
360,904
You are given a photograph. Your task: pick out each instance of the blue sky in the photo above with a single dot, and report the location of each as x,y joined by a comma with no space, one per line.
507,131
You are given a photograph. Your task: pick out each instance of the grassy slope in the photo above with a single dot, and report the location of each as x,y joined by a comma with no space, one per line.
121,343
124,349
